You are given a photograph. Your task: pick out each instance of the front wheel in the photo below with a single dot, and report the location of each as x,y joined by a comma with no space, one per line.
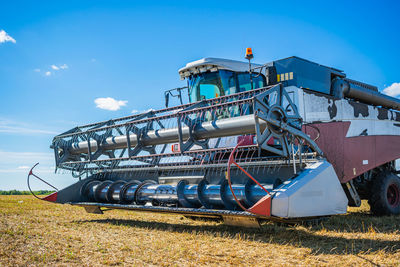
385,195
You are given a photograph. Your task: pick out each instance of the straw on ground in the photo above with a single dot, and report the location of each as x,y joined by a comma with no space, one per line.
34,232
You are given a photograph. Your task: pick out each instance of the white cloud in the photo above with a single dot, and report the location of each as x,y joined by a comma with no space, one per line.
135,111
109,103
4,37
53,68
15,166
63,67
21,162
22,130
8,157
23,167
25,171
392,90
8,126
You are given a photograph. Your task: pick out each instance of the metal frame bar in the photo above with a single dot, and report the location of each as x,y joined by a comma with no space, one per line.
191,116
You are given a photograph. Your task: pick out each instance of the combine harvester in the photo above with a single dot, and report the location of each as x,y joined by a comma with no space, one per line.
287,141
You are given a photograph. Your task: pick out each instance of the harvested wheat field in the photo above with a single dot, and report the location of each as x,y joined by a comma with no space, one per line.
36,233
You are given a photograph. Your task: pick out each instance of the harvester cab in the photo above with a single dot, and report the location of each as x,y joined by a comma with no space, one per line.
290,140
213,77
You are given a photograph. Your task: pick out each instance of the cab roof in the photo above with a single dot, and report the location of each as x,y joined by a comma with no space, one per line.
214,64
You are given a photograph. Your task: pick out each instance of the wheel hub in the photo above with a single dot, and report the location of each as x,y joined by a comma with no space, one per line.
393,195
277,114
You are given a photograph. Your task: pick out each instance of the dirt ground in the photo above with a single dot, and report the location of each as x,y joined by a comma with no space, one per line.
37,233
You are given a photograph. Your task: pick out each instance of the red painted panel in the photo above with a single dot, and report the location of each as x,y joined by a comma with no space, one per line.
245,140
330,141
359,154
348,155
262,207
51,197
387,148
378,150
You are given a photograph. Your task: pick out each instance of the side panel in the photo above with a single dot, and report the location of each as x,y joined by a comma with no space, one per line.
330,137
359,155
315,192
355,137
71,193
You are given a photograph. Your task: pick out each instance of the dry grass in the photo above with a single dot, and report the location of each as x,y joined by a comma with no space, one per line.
34,232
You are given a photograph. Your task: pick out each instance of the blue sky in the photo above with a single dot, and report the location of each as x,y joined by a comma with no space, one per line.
58,57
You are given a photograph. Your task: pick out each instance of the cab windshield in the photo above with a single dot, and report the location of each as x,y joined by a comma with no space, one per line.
223,82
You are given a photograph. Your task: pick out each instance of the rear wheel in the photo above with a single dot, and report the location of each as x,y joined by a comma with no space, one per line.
385,195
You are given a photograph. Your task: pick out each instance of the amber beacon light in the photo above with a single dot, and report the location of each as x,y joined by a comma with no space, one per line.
249,53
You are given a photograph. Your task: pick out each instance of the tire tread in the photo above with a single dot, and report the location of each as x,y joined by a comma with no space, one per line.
377,199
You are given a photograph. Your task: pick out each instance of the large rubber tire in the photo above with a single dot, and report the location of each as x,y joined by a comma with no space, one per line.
385,195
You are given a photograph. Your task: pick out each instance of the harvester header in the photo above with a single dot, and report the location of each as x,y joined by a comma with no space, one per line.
287,140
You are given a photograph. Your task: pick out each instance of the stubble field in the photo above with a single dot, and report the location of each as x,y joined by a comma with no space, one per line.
36,233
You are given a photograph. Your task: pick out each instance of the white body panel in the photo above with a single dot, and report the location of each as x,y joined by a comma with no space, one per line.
315,192
314,108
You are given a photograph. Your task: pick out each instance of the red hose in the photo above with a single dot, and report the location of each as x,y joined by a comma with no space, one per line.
228,176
